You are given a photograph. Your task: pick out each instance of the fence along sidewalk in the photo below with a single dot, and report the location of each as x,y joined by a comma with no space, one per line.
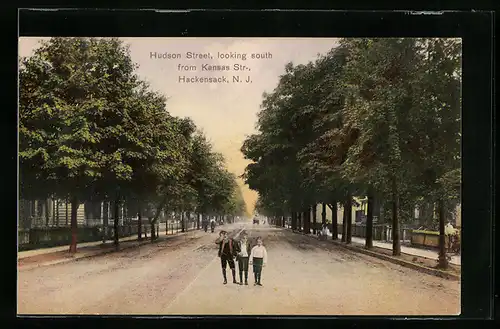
89,235
46,223
382,238
173,229
430,254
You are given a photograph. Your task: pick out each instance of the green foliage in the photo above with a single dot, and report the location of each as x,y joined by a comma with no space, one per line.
372,113
89,127
75,98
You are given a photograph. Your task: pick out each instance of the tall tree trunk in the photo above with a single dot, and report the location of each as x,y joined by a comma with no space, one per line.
139,223
314,206
344,222
105,221
308,220
305,220
335,228
153,222
116,217
302,221
323,213
153,231
159,210
182,222
349,218
74,223
294,220
369,221
303,216
188,219
299,221
443,261
396,244
197,221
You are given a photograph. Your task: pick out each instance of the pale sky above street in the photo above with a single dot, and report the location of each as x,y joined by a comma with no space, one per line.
226,112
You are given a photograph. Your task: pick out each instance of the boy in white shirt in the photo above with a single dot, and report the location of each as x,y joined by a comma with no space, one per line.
258,257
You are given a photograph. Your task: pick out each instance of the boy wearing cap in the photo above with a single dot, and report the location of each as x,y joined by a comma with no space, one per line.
227,252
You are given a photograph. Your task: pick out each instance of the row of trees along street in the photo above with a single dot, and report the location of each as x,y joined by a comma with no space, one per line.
373,117
91,130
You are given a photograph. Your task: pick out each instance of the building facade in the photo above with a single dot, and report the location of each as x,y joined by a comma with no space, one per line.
57,213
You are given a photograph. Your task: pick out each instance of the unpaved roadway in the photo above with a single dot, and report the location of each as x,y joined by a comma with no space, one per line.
183,276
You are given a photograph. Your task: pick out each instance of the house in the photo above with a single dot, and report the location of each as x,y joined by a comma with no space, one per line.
57,213
359,209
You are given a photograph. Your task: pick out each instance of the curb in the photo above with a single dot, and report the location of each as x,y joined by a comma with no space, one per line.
401,262
98,253
74,259
82,245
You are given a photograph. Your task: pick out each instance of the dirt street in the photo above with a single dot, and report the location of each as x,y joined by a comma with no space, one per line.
183,276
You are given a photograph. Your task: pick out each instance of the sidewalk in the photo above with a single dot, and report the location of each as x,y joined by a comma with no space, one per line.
43,251
51,256
56,255
429,254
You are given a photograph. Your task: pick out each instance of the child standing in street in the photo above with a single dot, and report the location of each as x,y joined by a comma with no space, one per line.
226,254
243,257
258,257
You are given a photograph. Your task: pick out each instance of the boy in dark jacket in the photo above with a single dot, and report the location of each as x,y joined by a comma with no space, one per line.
227,251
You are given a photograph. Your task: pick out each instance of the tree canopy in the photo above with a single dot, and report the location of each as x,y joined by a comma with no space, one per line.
379,115
91,129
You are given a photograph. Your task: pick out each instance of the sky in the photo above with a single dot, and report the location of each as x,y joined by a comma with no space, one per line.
225,111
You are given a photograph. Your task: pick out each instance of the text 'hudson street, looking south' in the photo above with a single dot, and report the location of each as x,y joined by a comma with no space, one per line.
208,56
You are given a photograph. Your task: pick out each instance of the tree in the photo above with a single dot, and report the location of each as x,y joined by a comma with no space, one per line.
75,84
361,120
379,110
214,185
322,157
275,172
440,135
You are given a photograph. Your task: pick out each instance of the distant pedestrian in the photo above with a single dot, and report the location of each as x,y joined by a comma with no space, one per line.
258,257
323,233
450,231
227,252
244,250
